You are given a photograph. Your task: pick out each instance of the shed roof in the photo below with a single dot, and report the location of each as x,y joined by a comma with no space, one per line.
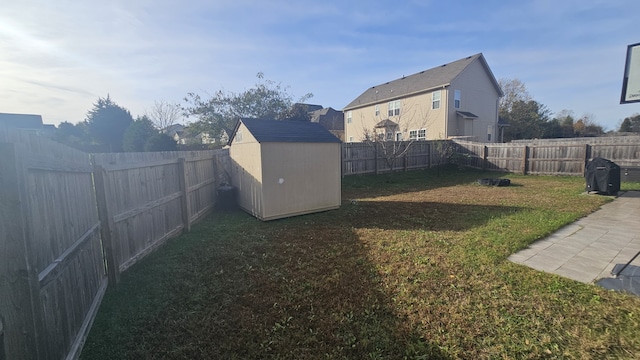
426,80
285,131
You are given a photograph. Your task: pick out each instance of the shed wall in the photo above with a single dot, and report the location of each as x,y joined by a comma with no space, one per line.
310,174
246,172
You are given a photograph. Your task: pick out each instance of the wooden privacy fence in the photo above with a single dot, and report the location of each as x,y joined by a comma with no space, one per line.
64,213
369,158
147,198
549,158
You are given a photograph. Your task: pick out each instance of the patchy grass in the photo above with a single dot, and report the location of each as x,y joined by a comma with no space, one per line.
414,265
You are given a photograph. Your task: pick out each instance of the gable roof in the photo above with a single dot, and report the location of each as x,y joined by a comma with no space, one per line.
423,81
330,118
23,121
285,131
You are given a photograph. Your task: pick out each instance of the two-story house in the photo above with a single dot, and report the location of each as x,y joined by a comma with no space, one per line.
458,99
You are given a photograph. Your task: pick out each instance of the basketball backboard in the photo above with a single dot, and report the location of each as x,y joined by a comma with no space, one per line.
631,81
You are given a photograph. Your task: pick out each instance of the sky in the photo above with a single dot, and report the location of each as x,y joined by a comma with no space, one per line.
58,57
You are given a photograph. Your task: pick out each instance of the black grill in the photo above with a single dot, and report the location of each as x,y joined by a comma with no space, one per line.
602,176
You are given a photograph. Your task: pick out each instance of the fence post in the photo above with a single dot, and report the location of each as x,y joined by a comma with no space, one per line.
184,188
485,154
19,285
587,155
375,156
525,159
106,224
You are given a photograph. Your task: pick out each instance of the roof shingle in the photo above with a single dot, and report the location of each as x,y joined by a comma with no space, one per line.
286,131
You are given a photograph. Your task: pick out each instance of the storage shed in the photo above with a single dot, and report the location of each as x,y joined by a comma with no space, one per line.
285,168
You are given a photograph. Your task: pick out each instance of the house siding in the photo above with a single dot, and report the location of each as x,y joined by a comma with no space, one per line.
478,96
246,171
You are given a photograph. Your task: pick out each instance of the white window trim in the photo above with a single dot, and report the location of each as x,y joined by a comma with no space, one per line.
424,137
377,110
435,103
349,117
413,134
457,99
393,108
399,136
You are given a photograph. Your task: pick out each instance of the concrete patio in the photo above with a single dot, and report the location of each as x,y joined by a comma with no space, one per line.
588,249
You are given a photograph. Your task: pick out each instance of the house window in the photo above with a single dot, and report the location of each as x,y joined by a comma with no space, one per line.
422,134
435,99
239,136
413,134
350,138
394,108
349,117
456,99
489,132
389,136
377,110
398,136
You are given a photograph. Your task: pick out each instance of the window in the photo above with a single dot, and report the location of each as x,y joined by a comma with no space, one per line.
377,110
489,132
435,99
422,134
413,134
349,117
389,136
394,108
398,136
350,138
456,99
239,136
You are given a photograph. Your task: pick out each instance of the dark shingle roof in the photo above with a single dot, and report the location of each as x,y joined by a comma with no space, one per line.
286,131
24,121
423,81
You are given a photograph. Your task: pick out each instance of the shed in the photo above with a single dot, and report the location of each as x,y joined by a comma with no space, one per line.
285,168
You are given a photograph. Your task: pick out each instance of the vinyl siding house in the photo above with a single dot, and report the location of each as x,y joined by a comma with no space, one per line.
285,168
454,100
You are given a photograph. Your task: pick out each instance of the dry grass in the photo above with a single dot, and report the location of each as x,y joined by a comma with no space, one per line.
412,266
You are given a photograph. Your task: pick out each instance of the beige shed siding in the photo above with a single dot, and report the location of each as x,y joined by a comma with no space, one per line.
478,96
310,174
246,171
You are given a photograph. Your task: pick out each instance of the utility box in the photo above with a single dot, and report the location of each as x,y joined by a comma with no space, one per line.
285,168
602,176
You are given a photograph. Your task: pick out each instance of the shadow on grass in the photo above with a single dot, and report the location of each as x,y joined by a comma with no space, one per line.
368,186
432,216
236,287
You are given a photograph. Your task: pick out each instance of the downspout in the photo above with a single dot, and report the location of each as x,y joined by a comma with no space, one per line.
446,113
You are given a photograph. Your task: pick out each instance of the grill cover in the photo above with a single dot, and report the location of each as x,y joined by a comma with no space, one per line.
603,176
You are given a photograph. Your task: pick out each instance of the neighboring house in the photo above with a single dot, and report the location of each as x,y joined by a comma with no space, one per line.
21,121
331,119
285,168
183,136
458,99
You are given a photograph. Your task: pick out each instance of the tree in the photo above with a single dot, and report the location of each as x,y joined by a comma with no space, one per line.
527,120
138,133
391,137
631,124
107,122
587,126
160,142
164,114
218,114
514,91
75,136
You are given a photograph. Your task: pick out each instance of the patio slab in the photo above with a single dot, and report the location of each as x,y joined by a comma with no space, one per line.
588,249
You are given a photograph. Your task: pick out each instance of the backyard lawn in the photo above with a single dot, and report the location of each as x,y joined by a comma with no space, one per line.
413,265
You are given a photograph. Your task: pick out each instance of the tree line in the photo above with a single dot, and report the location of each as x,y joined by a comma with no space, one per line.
528,119
109,127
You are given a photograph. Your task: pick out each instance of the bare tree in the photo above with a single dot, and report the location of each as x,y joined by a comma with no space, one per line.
164,114
392,136
514,91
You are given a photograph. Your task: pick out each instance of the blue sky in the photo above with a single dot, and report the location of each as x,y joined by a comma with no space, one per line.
58,57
